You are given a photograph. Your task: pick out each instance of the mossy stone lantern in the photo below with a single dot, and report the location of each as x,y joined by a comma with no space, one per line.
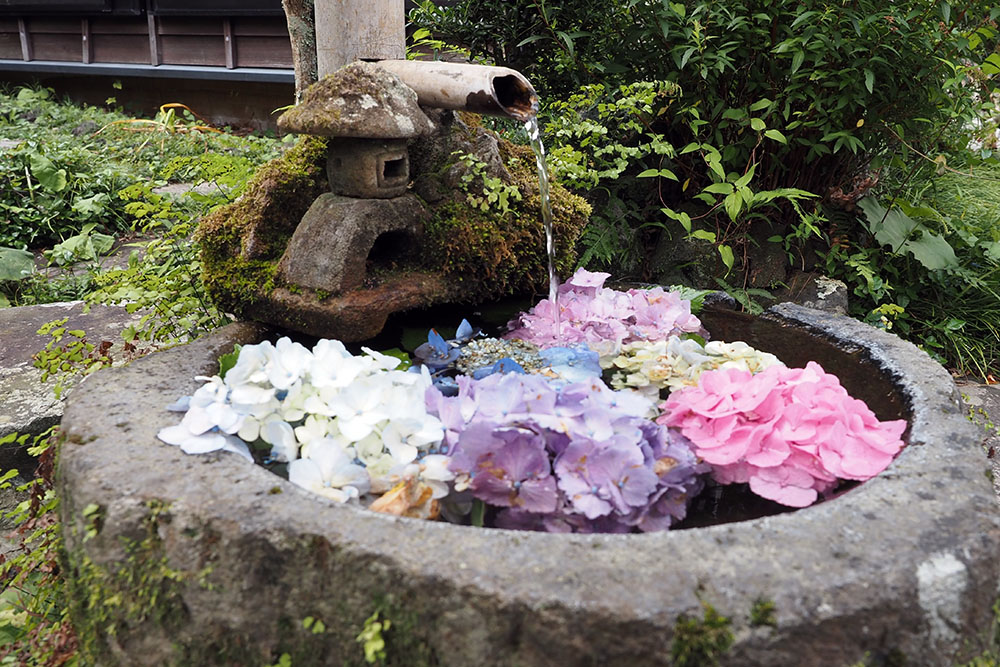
370,116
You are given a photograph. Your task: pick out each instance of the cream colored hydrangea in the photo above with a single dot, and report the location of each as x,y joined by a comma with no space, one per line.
649,366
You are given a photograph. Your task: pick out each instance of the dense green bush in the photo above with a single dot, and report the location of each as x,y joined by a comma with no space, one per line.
711,121
830,76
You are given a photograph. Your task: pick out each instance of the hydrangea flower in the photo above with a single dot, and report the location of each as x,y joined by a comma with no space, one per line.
789,432
602,318
307,403
565,456
649,366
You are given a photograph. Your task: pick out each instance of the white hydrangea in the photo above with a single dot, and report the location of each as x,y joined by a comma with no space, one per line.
337,419
649,366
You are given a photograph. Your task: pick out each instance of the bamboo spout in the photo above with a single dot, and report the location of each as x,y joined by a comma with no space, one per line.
494,91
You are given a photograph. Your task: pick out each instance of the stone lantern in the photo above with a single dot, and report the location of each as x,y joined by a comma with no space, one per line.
369,115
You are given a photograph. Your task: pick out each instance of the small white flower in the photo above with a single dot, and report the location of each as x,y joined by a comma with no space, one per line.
280,436
359,410
330,472
288,365
192,443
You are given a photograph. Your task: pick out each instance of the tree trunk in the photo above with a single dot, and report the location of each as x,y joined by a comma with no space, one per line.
302,31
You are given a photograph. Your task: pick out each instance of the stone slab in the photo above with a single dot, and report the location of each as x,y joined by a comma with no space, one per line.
26,404
901,567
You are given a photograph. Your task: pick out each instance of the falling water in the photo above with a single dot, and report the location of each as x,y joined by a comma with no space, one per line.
534,133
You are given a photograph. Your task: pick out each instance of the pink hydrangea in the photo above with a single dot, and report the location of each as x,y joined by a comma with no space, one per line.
604,318
790,433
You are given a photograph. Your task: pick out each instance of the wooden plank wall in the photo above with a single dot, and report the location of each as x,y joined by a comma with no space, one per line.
10,39
152,40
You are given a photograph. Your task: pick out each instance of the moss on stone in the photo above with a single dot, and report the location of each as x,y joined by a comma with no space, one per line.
504,252
106,602
762,613
242,242
701,642
259,224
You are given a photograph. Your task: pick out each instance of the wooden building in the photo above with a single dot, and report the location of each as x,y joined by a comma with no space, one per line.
230,60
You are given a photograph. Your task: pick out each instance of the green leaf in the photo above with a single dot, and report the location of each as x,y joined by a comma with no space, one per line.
776,136
991,65
704,235
649,173
733,204
904,234
933,251
15,264
892,228
797,60
719,188
757,125
760,104
228,360
869,80
42,168
726,253
745,179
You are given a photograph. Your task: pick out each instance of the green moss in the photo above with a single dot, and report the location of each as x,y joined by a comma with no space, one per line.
505,250
701,642
242,241
762,613
238,284
108,601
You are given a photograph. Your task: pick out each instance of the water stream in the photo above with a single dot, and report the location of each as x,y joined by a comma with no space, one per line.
535,135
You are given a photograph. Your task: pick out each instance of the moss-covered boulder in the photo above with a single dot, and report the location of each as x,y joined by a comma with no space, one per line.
484,238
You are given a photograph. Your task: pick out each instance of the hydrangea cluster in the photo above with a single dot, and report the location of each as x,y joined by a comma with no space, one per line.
570,457
345,424
649,366
604,319
789,432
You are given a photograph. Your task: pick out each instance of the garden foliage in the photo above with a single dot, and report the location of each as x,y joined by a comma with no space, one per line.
756,122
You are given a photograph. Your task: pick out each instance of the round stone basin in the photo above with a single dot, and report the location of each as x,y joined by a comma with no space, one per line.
198,560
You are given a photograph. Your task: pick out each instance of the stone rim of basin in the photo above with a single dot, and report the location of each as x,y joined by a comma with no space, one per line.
903,562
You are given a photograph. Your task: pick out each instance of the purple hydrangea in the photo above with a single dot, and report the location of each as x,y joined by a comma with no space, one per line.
565,457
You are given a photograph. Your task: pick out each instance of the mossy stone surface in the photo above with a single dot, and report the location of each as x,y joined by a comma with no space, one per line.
904,564
467,254
359,100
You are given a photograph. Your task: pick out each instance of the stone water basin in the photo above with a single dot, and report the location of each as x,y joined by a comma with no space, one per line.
210,560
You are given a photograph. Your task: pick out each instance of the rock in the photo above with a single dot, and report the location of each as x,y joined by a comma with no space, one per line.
814,290
27,405
217,561
330,247
86,127
180,189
